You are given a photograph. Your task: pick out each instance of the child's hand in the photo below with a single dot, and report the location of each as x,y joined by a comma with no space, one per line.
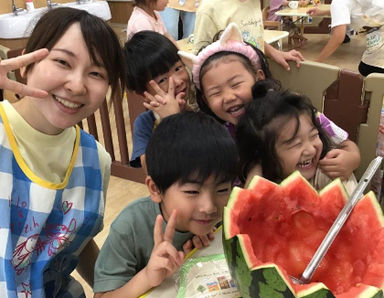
282,58
165,259
16,63
198,242
338,163
164,103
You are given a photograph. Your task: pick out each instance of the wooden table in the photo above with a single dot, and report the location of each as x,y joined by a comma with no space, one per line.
270,36
301,13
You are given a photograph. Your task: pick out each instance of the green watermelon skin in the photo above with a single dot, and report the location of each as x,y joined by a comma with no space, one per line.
263,282
257,279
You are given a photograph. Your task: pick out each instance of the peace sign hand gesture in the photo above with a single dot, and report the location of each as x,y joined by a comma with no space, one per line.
16,63
165,259
164,103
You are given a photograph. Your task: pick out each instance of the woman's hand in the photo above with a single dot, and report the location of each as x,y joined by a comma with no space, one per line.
16,63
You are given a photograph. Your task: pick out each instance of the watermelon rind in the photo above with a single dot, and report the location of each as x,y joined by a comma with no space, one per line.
226,223
314,290
295,175
371,291
227,229
363,291
264,281
257,279
255,180
234,195
337,182
375,204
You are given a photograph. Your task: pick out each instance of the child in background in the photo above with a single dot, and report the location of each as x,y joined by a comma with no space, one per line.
278,134
276,5
189,184
145,16
288,24
54,176
215,15
224,73
180,10
16,63
151,72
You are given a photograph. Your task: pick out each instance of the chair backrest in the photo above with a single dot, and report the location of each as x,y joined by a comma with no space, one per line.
16,73
6,53
269,24
351,101
116,130
264,13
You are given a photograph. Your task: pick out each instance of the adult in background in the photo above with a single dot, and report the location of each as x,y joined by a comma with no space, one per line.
366,17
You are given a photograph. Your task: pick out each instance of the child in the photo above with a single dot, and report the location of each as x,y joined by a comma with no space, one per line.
180,11
287,22
224,73
276,5
16,63
54,176
145,16
215,15
151,72
189,184
278,134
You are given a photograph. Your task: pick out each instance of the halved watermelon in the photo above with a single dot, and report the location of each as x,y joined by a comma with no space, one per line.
272,231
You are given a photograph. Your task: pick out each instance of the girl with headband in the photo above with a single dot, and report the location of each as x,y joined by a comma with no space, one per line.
224,73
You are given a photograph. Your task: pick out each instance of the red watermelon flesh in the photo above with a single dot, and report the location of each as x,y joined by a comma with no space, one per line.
287,223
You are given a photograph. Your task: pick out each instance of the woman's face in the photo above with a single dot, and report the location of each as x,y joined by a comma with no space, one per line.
227,87
76,86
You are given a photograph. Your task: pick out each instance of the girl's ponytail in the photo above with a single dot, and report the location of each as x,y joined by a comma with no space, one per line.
261,88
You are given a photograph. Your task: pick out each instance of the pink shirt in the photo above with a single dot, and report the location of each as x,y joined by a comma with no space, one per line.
140,20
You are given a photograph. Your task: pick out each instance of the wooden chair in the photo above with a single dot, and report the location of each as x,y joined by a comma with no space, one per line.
350,100
16,73
269,24
6,53
3,55
114,118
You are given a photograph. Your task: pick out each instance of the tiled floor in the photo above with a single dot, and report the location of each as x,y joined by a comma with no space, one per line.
121,191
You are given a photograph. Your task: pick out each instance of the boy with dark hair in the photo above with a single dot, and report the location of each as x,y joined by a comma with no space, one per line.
192,162
153,67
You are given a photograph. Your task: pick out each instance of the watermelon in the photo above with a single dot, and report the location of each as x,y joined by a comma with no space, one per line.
270,232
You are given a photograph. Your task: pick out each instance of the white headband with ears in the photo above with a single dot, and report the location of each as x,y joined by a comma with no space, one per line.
230,41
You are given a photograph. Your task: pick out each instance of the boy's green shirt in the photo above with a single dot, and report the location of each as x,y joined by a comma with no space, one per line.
129,244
